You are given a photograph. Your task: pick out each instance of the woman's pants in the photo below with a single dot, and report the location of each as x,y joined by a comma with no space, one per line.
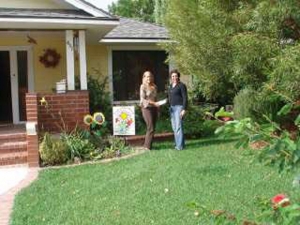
177,126
150,117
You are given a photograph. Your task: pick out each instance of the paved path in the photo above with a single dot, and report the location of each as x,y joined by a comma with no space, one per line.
12,180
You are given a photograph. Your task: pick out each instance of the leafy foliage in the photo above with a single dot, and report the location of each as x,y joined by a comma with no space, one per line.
99,96
244,104
116,148
77,145
52,151
145,10
139,9
231,45
251,103
279,147
285,76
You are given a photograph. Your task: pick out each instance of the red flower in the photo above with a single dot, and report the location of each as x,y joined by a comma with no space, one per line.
226,118
280,200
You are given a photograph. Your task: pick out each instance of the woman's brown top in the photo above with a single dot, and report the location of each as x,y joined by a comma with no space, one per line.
147,93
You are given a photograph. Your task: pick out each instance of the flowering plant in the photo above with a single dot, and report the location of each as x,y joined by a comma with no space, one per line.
277,211
98,118
280,200
97,124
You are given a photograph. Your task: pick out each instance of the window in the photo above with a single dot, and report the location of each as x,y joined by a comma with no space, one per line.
128,69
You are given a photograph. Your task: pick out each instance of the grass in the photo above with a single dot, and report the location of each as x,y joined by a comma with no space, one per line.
153,188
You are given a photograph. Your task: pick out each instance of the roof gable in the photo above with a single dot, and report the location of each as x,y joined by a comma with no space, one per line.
35,4
89,8
54,5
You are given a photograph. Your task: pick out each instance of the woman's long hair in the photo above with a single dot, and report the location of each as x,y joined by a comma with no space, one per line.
146,85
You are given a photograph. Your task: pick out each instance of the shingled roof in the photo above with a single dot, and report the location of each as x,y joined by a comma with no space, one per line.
134,29
47,13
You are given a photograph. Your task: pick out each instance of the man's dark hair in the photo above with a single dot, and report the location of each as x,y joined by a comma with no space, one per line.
175,71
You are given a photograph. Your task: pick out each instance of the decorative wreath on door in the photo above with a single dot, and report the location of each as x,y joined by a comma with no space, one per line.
50,58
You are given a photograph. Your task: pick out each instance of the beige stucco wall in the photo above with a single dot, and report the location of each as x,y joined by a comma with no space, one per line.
34,4
97,58
46,78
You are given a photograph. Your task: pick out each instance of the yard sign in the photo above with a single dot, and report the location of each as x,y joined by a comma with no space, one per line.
123,120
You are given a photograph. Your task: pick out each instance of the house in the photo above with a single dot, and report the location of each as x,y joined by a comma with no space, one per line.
45,42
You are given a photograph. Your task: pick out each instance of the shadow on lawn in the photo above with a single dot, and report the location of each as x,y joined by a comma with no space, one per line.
193,143
212,141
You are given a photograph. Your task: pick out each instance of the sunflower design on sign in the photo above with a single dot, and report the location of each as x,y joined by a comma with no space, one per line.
123,120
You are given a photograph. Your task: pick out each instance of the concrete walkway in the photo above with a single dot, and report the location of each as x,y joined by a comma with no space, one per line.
12,180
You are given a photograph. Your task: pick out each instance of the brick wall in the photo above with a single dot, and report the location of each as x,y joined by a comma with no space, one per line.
63,111
32,139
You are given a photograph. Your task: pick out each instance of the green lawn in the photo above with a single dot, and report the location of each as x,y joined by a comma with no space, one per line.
133,191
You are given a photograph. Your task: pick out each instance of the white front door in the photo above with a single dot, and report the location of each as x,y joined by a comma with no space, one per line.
16,79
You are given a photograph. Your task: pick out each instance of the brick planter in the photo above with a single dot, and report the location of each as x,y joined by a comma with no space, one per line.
64,111
32,139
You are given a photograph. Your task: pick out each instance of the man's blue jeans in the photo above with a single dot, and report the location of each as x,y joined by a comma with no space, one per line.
177,126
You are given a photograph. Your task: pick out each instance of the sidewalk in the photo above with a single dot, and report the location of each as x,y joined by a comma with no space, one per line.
12,180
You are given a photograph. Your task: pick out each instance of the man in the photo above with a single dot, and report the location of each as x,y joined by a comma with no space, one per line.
178,104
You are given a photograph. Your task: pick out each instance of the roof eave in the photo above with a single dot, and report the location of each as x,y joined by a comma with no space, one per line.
50,23
133,40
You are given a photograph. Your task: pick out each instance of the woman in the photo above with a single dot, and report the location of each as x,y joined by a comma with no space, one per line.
148,93
178,103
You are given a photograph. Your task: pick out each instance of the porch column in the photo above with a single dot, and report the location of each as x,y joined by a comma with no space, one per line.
70,59
82,60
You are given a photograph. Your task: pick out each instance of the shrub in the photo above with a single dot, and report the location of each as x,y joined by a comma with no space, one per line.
194,119
99,96
285,76
249,103
208,127
117,147
52,151
244,104
280,148
77,145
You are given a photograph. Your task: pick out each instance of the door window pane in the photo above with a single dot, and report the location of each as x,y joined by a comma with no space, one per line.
23,82
5,90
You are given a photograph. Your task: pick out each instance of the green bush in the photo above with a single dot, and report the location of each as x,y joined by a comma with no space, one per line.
77,145
117,147
208,127
193,120
285,77
279,147
244,104
52,151
249,103
99,96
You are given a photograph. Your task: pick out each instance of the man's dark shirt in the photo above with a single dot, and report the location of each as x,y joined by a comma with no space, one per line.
178,95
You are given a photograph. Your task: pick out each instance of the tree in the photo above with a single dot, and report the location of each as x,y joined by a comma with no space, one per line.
160,9
233,44
138,9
